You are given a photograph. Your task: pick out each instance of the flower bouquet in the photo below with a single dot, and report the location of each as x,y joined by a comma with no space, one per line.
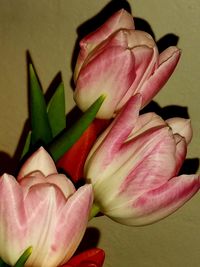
114,160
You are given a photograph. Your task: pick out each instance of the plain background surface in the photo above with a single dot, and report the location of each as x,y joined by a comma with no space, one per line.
48,29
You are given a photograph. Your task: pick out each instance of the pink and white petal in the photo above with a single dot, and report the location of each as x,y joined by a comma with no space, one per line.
63,183
156,204
104,152
145,54
30,180
145,122
71,225
118,39
43,203
132,40
13,220
182,127
162,201
144,63
152,161
120,20
168,63
135,169
38,161
100,79
181,151
60,180
171,51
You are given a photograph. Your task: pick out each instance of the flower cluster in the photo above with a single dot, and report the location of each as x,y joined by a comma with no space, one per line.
130,162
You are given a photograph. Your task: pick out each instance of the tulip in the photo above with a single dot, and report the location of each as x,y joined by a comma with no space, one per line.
119,20
90,258
42,210
134,167
119,61
80,150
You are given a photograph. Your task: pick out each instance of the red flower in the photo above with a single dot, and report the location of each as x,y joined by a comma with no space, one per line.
90,258
72,162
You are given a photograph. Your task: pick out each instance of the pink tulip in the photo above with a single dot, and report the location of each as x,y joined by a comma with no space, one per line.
134,167
42,210
119,62
120,20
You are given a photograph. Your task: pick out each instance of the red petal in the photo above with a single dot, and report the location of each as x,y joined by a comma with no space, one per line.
72,162
90,258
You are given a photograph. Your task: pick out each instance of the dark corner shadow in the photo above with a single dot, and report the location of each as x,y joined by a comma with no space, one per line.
190,166
143,25
164,42
167,111
7,164
167,40
90,239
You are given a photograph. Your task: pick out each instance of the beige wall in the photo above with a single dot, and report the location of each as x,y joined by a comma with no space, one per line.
47,29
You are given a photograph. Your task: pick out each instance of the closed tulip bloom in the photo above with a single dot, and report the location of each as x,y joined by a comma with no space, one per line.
134,167
42,210
120,62
119,20
93,257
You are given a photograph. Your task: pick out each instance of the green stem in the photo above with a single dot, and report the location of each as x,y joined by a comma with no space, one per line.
94,211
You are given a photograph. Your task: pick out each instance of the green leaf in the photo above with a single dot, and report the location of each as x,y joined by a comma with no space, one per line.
23,258
41,130
64,141
27,144
56,111
94,210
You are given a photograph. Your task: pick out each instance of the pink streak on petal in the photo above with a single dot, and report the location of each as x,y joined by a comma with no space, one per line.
97,79
120,20
60,180
119,132
72,222
181,151
168,63
171,51
162,201
12,219
30,180
64,184
43,203
38,161
143,56
153,163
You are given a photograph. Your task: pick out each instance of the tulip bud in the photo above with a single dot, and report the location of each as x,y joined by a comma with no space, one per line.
120,20
119,61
